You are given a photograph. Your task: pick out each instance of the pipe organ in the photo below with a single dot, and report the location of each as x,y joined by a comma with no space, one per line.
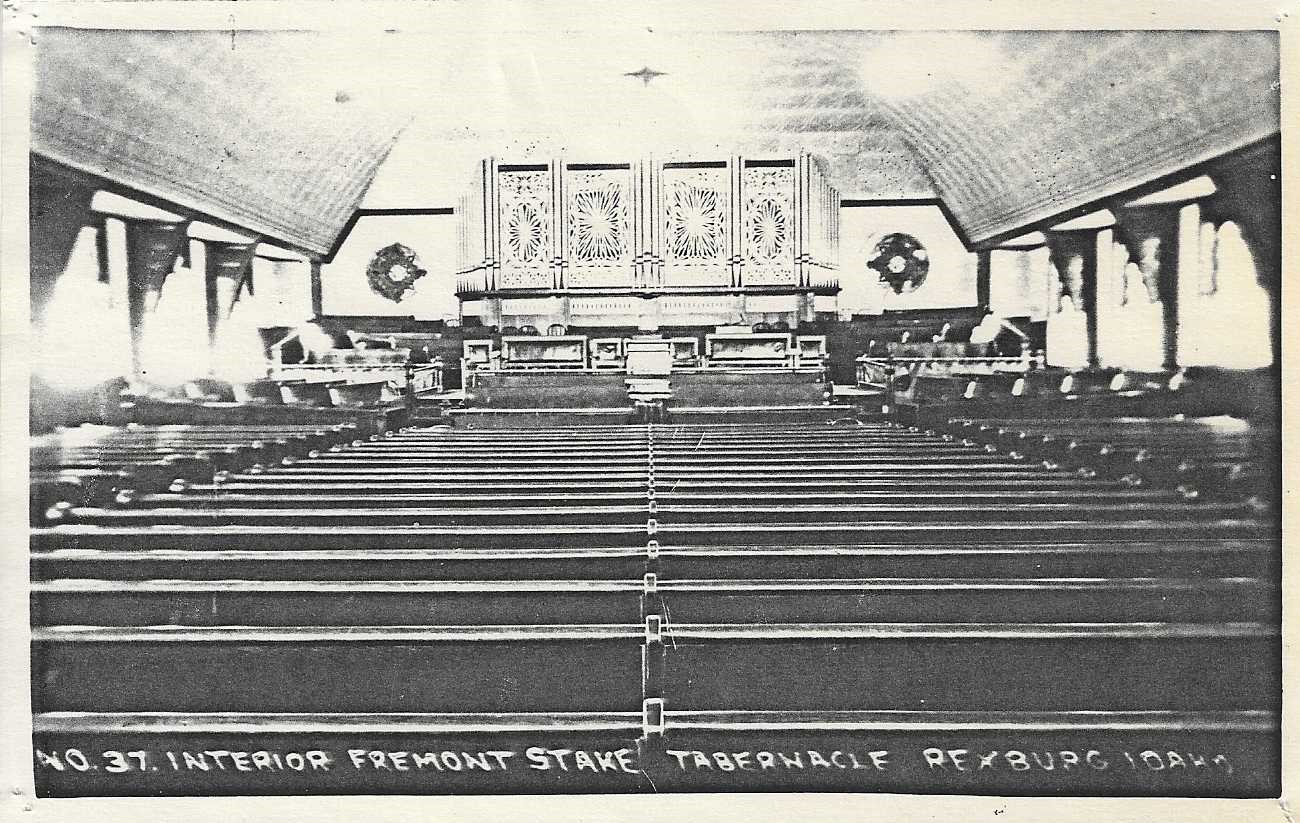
649,243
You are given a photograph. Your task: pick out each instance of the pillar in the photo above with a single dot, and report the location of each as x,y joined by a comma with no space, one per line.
983,274
59,209
1075,247
1187,276
226,269
1071,323
285,278
1156,247
1250,194
152,250
317,294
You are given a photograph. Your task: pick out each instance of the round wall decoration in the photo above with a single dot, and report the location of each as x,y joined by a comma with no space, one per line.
393,270
901,261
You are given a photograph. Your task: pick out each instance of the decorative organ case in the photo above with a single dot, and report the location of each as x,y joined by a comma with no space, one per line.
728,226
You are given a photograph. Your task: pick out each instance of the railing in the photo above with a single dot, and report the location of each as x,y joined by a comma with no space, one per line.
877,371
470,377
823,278
472,282
423,377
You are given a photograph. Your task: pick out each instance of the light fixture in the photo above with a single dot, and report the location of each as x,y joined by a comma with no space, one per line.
645,74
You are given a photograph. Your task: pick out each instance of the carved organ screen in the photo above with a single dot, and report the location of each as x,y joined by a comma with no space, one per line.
597,247
696,213
526,215
735,225
768,223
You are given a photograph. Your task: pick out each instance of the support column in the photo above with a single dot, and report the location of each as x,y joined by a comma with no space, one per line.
317,295
152,249
288,280
1106,330
1069,332
1019,268
59,209
983,272
490,315
1074,251
1150,234
1250,195
1162,232
1187,277
226,270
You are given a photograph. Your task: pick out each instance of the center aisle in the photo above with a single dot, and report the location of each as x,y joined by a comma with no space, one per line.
693,607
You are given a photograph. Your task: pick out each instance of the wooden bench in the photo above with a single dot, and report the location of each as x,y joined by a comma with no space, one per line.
549,390
1214,455
659,590
94,465
733,386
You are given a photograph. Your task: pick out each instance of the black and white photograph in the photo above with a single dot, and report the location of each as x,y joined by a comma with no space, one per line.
644,402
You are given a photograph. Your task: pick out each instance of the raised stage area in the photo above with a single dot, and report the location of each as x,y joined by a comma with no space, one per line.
639,608
734,375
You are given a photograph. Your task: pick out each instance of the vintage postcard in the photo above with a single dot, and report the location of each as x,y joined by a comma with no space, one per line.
493,410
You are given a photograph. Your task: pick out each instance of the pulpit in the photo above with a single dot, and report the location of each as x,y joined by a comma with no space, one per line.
649,357
649,364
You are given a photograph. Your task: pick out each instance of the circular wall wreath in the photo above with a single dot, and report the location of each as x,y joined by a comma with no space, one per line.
901,261
393,270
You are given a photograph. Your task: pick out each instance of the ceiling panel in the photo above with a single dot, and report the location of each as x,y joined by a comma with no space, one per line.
191,119
1008,128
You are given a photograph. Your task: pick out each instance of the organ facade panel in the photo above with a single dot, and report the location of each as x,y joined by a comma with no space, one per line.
768,225
696,212
525,217
597,222
690,228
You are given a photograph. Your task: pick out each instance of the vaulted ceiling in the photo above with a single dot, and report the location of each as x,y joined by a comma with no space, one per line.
287,132
184,117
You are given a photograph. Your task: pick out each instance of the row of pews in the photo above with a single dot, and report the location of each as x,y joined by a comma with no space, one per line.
1221,456
636,608
370,406
1004,387
104,465
313,386
892,329
1198,432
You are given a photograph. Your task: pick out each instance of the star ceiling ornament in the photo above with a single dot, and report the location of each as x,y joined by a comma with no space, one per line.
646,74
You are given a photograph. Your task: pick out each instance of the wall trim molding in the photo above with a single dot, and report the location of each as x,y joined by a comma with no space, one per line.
424,211
874,202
